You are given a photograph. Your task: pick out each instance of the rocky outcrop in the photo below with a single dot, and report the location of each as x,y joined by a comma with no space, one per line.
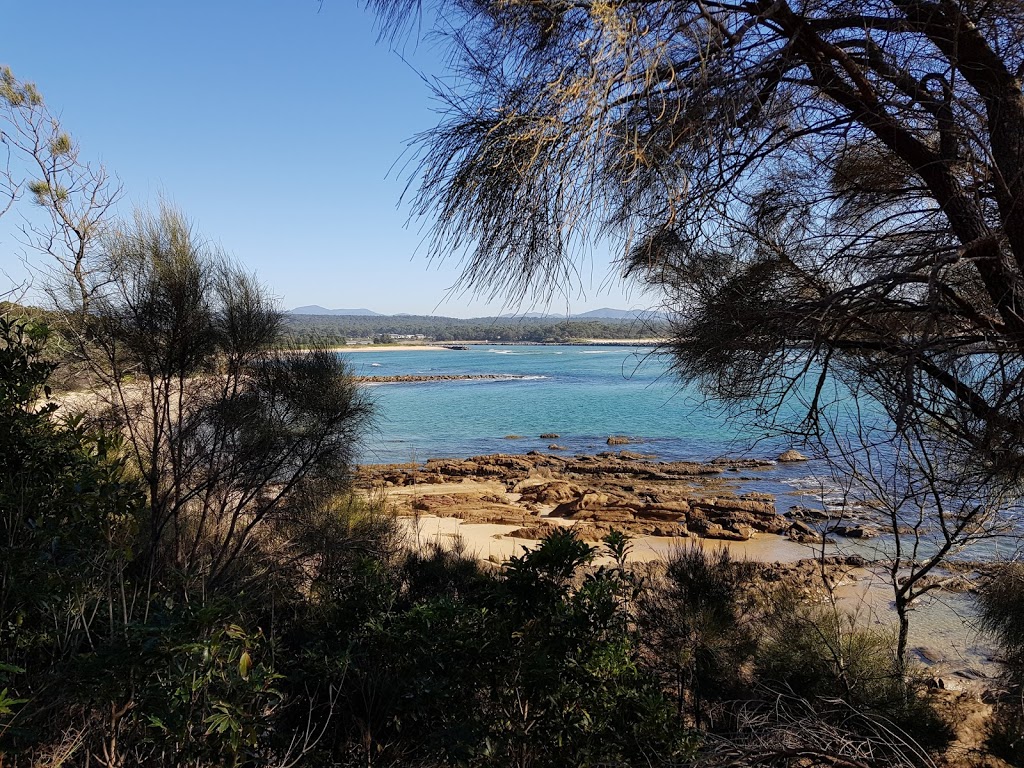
752,511
854,531
792,455
547,492
629,491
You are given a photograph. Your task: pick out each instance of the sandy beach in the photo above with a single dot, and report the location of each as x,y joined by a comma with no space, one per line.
442,348
389,348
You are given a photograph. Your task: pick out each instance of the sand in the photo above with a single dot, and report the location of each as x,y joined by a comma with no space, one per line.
389,348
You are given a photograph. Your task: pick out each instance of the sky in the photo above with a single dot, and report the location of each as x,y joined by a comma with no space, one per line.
278,126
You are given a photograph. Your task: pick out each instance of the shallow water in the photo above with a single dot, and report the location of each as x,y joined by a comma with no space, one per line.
584,394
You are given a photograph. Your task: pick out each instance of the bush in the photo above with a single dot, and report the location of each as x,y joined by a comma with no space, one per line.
820,655
695,627
1002,615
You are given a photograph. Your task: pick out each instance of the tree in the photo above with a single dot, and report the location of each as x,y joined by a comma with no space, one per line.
236,444
838,177
69,505
1002,615
76,196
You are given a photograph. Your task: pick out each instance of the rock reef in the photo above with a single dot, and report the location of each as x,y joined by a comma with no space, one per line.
621,490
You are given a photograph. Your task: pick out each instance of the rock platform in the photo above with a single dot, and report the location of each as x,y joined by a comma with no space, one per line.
613,490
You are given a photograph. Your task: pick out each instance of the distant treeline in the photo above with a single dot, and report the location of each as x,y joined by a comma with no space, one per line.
302,329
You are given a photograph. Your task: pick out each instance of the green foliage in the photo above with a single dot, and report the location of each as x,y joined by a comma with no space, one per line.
697,628
1002,615
821,654
67,519
16,93
211,701
536,666
305,330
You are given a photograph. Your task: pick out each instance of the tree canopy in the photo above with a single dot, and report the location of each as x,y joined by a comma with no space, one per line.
839,176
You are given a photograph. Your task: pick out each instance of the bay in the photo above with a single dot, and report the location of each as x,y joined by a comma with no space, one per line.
583,394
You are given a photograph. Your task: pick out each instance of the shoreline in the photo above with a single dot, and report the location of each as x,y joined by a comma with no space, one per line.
447,346
498,505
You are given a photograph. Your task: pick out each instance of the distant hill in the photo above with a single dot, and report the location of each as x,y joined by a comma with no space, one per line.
316,309
607,313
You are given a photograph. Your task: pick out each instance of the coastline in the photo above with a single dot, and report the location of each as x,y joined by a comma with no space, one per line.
498,505
435,347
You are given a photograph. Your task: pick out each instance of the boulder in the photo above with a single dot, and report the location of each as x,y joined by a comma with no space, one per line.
711,530
557,447
619,440
549,436
854,531
755,511
553,492
533,532
606,515
792,455
802,533
592,500
590,504
745,532
675,511
806,513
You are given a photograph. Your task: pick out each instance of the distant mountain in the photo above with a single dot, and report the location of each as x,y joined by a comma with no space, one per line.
316,309
607,313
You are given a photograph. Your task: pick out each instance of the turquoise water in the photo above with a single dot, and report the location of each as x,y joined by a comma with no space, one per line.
584,394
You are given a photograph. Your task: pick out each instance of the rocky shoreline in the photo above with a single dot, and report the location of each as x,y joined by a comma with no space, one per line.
505,499
614,490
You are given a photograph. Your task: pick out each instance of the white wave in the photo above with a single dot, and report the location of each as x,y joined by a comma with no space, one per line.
503,352
375,365
530,378
593,352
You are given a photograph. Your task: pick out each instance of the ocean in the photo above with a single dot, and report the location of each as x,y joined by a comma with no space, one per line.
586,394
583,394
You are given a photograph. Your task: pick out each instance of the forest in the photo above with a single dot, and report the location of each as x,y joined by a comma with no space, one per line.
301,330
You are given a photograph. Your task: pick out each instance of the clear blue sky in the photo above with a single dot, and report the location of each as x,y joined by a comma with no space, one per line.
273,124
